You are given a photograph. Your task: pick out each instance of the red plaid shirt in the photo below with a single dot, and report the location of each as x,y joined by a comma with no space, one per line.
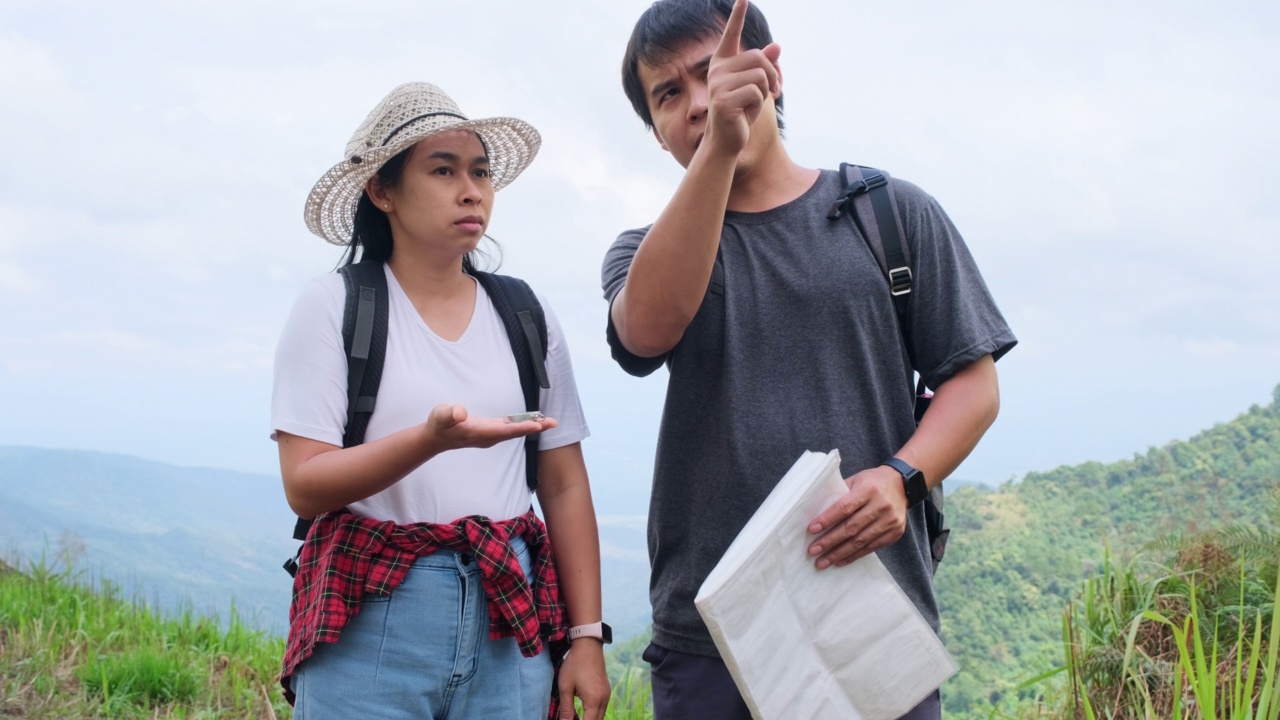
346,557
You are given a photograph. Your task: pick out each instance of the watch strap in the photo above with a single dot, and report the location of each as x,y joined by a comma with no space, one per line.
599,630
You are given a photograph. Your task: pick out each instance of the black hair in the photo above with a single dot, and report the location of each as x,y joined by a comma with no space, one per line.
371,234
668,23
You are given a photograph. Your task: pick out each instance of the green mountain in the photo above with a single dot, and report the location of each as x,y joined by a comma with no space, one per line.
1018,553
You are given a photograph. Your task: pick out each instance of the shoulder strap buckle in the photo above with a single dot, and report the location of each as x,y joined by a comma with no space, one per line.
867,183
900,281
855,183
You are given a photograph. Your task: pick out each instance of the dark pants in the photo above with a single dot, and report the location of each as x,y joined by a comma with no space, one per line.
693,687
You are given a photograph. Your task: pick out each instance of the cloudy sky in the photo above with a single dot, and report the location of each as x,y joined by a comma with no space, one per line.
1112,165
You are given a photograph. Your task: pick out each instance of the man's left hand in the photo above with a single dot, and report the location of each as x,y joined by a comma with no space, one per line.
871,515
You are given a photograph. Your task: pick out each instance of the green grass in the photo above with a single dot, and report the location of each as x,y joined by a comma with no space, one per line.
630,699
71,648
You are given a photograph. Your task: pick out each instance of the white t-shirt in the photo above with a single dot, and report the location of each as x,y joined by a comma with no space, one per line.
421,371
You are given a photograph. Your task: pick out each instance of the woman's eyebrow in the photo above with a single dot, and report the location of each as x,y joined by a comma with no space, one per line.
451,157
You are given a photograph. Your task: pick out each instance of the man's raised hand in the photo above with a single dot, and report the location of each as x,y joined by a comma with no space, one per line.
737,84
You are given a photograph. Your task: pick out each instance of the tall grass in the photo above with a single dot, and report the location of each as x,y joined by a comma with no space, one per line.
74,649
1193,639
631,697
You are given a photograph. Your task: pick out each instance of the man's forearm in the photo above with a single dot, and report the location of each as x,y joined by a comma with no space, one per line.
962,409
669,274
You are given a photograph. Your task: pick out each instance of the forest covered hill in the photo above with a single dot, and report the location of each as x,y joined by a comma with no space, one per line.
1018,553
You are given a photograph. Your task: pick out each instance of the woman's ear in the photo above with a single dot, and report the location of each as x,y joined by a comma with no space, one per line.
378,194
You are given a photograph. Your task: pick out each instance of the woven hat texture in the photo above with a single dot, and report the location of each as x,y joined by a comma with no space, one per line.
411,112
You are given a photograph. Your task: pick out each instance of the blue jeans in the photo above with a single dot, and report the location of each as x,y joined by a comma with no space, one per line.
425,652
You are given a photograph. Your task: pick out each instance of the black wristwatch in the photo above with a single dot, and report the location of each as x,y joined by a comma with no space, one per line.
912,481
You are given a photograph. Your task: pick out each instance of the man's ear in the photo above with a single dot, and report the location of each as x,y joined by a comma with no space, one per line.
658,137
772,51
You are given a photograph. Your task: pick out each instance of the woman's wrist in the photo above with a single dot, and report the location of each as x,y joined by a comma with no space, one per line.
428,440
598,631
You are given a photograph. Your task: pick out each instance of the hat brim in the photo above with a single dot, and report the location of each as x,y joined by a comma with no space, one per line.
331,205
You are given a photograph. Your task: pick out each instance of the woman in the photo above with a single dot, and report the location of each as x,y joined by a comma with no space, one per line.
409,601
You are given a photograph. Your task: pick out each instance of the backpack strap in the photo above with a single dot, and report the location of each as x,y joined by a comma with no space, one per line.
526,326
364,339
868,197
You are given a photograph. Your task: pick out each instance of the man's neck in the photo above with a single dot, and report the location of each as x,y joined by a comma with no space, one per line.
768,181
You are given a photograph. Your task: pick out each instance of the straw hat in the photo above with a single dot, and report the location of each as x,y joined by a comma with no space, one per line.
408,114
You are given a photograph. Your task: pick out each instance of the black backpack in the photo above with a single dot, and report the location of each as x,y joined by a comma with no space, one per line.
868,200
364,336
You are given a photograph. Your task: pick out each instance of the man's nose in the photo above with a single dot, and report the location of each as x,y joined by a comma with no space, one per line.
697,102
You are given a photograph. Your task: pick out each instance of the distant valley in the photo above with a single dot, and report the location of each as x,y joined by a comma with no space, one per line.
211,538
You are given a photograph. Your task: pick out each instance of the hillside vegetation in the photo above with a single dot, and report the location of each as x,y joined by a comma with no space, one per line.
1018,554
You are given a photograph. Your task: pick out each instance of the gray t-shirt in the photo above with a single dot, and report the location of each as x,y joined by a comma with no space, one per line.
798,349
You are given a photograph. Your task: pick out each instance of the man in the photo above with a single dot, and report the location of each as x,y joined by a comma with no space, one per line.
796,347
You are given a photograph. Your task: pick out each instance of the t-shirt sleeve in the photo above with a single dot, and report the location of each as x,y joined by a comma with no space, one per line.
613,275
560,401
309,391
954,319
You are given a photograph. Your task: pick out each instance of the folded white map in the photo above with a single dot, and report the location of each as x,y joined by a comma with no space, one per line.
802,643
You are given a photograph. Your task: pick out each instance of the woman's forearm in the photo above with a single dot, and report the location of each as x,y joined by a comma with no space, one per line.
320,477
565,496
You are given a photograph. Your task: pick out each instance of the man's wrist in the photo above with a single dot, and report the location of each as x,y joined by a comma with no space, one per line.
913,481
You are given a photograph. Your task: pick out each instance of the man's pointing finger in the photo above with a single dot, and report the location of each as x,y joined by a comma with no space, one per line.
731,40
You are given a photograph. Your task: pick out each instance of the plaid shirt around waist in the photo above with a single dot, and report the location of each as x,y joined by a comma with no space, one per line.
346,557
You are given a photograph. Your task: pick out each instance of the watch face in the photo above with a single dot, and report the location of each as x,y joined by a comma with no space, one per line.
606,633
917,490
913,483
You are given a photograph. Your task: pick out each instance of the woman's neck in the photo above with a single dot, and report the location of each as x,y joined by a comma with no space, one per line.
428,279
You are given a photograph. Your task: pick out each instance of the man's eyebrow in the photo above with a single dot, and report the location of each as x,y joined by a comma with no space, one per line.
698,68
661,88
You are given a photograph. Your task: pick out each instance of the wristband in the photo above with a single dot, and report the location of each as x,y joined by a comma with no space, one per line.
599,630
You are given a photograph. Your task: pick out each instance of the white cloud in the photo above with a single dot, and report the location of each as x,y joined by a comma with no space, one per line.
1110,165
